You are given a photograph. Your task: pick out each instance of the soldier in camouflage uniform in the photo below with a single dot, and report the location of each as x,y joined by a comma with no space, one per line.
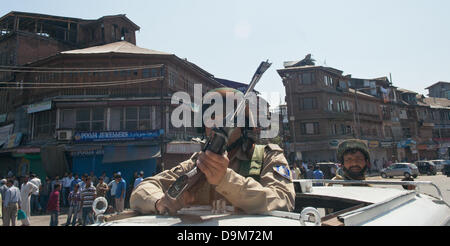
355,158
252,178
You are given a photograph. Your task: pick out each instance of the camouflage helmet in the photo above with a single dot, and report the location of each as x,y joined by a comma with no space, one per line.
352,144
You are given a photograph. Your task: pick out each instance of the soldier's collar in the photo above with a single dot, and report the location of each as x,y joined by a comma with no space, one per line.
241,155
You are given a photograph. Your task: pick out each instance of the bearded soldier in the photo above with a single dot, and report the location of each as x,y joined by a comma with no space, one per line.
355,157
252,178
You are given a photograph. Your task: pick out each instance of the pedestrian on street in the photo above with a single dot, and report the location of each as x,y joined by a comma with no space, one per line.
67,183
88,195
3,189
105,178
28,188
94,179
112,188
75,205
102,188
310,172
12,203
120,193
53,205
318,174
35,206
139,179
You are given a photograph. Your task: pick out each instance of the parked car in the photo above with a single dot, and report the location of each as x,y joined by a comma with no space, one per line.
426,167
439,164
446,170
400,169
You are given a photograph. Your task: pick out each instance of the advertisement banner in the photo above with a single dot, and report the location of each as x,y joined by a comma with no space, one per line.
13,141
5,131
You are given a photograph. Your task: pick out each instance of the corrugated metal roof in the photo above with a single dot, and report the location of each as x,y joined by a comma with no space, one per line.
440,82
435,102
117,47
406,91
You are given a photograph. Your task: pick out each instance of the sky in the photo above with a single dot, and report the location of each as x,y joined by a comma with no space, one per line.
409,39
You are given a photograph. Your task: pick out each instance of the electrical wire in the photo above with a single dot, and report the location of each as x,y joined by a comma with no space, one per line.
86,85
72,70
69,83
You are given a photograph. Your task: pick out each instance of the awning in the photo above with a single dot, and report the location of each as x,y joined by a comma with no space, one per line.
114,154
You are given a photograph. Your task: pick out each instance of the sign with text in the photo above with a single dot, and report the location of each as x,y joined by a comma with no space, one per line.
39,107
117,136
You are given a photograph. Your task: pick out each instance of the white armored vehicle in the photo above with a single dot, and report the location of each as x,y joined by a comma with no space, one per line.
336,205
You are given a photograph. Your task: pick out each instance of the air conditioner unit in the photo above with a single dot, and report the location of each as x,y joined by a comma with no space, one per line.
64,135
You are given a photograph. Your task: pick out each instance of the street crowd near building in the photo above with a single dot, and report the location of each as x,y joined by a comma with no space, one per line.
73,193
89,115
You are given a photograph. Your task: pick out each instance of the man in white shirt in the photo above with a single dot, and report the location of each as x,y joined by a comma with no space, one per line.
28,188
35,206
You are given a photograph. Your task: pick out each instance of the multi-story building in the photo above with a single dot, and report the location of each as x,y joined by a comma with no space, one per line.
439,114
27,37
440,89
323,111
83,97
325,107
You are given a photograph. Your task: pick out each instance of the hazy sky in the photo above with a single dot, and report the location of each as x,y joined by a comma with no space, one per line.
368,39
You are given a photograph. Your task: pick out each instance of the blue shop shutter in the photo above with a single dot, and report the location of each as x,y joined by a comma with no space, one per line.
114,154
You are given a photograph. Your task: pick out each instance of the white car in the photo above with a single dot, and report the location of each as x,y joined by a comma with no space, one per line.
439,164
325,205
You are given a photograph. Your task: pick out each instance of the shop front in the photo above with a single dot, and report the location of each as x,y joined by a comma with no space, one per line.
112,152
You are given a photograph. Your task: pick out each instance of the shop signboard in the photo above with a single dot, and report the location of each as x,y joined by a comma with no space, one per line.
386,144
39,107
117,136
374,144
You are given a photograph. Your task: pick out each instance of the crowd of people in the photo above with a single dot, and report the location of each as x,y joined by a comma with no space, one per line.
73,193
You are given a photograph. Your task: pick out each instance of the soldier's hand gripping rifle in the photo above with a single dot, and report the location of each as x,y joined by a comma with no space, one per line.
217,142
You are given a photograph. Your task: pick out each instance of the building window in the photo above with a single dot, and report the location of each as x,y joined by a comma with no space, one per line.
307,78
387,132
330,105
308,103
340,106
309,128
135,118
406,132
328,81
172,79
155,72
90,119
45,123
333,129
146,73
